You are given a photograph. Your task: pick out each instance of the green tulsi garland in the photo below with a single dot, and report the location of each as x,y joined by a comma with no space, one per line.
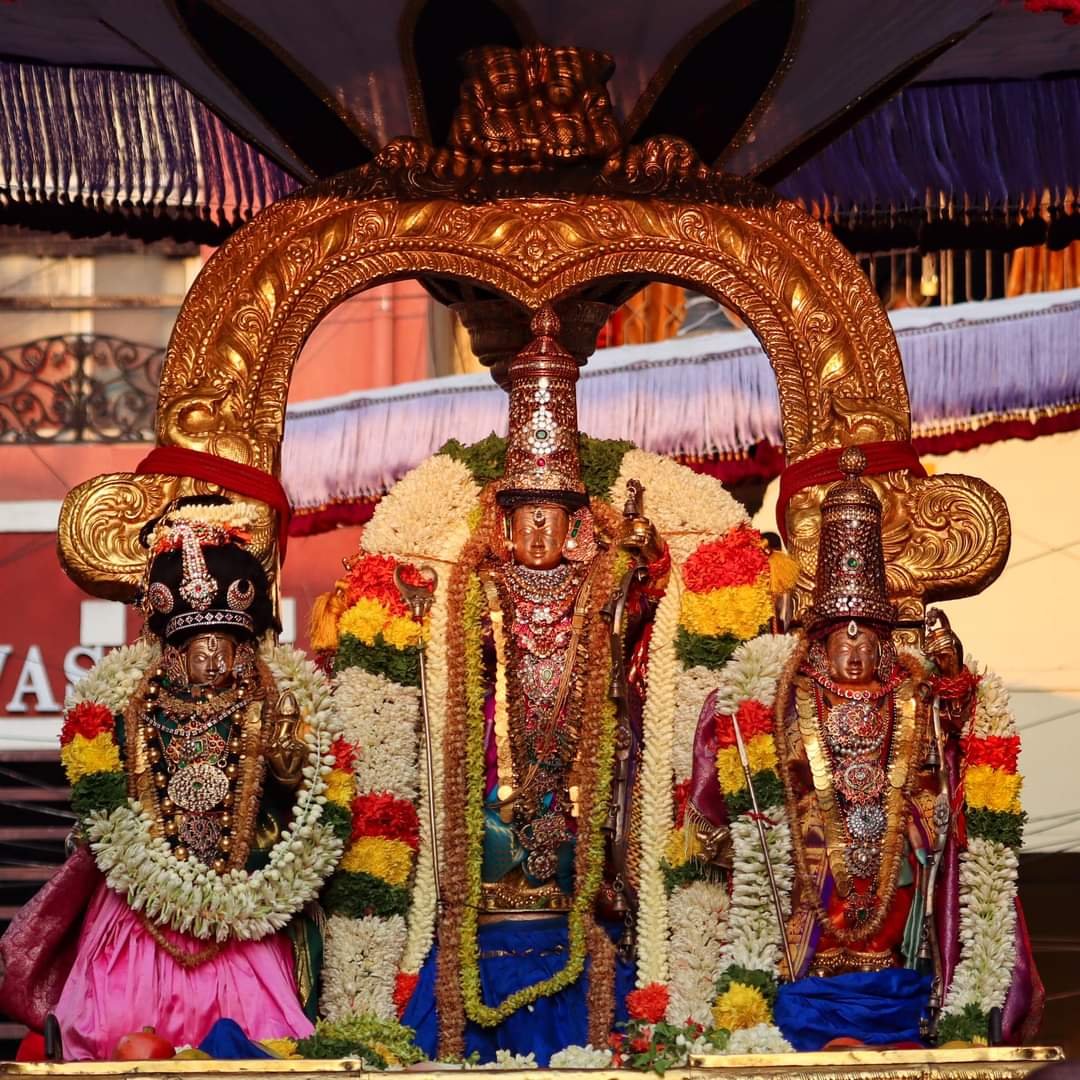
1002,826
339,819
98,791
398,665
966,1026
486,459
600,460
358,894
701,650
379,1044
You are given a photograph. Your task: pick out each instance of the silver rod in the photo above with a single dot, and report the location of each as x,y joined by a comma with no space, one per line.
744,760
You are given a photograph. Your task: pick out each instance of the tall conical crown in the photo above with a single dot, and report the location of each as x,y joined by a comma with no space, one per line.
543,459
850,579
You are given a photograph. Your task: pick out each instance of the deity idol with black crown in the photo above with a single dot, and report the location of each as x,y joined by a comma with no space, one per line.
196,757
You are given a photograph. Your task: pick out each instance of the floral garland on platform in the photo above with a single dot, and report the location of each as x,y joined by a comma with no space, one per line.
377,691
189,896
720,593
750,958
993,822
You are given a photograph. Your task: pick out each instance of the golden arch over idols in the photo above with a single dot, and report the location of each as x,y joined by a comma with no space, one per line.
660,215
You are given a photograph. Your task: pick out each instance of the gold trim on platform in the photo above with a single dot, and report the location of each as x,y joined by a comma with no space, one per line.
968,1064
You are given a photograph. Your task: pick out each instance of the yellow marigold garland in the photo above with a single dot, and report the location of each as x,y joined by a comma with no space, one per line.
992,789
388,860
340,787
741,1006
83,756
739,610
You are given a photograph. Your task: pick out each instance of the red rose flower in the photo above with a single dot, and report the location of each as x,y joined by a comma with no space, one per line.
754,719
344,754
88,719
404,985
385,815
373,577
739,558
997,751
649,1003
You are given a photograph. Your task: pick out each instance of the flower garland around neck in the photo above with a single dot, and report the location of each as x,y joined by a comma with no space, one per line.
990,831
586,884
188,896
750,956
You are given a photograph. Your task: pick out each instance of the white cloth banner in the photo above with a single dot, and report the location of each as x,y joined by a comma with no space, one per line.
693,395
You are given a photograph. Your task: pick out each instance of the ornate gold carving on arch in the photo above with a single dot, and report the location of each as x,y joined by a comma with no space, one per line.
225,380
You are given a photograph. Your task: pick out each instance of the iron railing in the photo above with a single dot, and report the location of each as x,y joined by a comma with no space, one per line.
79,388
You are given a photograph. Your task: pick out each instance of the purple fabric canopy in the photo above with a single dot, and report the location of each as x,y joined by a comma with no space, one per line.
90,150
994,143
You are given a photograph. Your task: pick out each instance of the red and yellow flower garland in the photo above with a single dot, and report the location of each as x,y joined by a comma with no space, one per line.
374,640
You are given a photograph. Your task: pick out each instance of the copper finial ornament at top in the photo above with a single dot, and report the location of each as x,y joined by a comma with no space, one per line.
850,579
543,459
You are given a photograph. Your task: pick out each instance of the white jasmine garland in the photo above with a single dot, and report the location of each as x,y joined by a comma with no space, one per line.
987,880
698,915
361,966
987,927
426,507
381,718
580,1057
753,672
112,681
759,1039
993,713
753,934
657,811
189,896
362,956
504,1059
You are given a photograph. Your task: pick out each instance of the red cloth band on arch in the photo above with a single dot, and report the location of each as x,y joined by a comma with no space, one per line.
243,479
824,468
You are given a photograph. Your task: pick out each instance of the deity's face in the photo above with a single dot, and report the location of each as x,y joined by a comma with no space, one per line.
209,659
853,659
538,534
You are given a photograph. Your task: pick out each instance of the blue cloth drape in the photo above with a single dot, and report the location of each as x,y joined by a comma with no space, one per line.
876,1007
514,955
226,1041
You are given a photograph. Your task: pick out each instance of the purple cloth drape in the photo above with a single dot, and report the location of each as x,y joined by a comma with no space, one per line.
134,145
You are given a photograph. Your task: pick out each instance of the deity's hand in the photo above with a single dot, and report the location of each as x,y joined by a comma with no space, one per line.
639,535
284,750
942,644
